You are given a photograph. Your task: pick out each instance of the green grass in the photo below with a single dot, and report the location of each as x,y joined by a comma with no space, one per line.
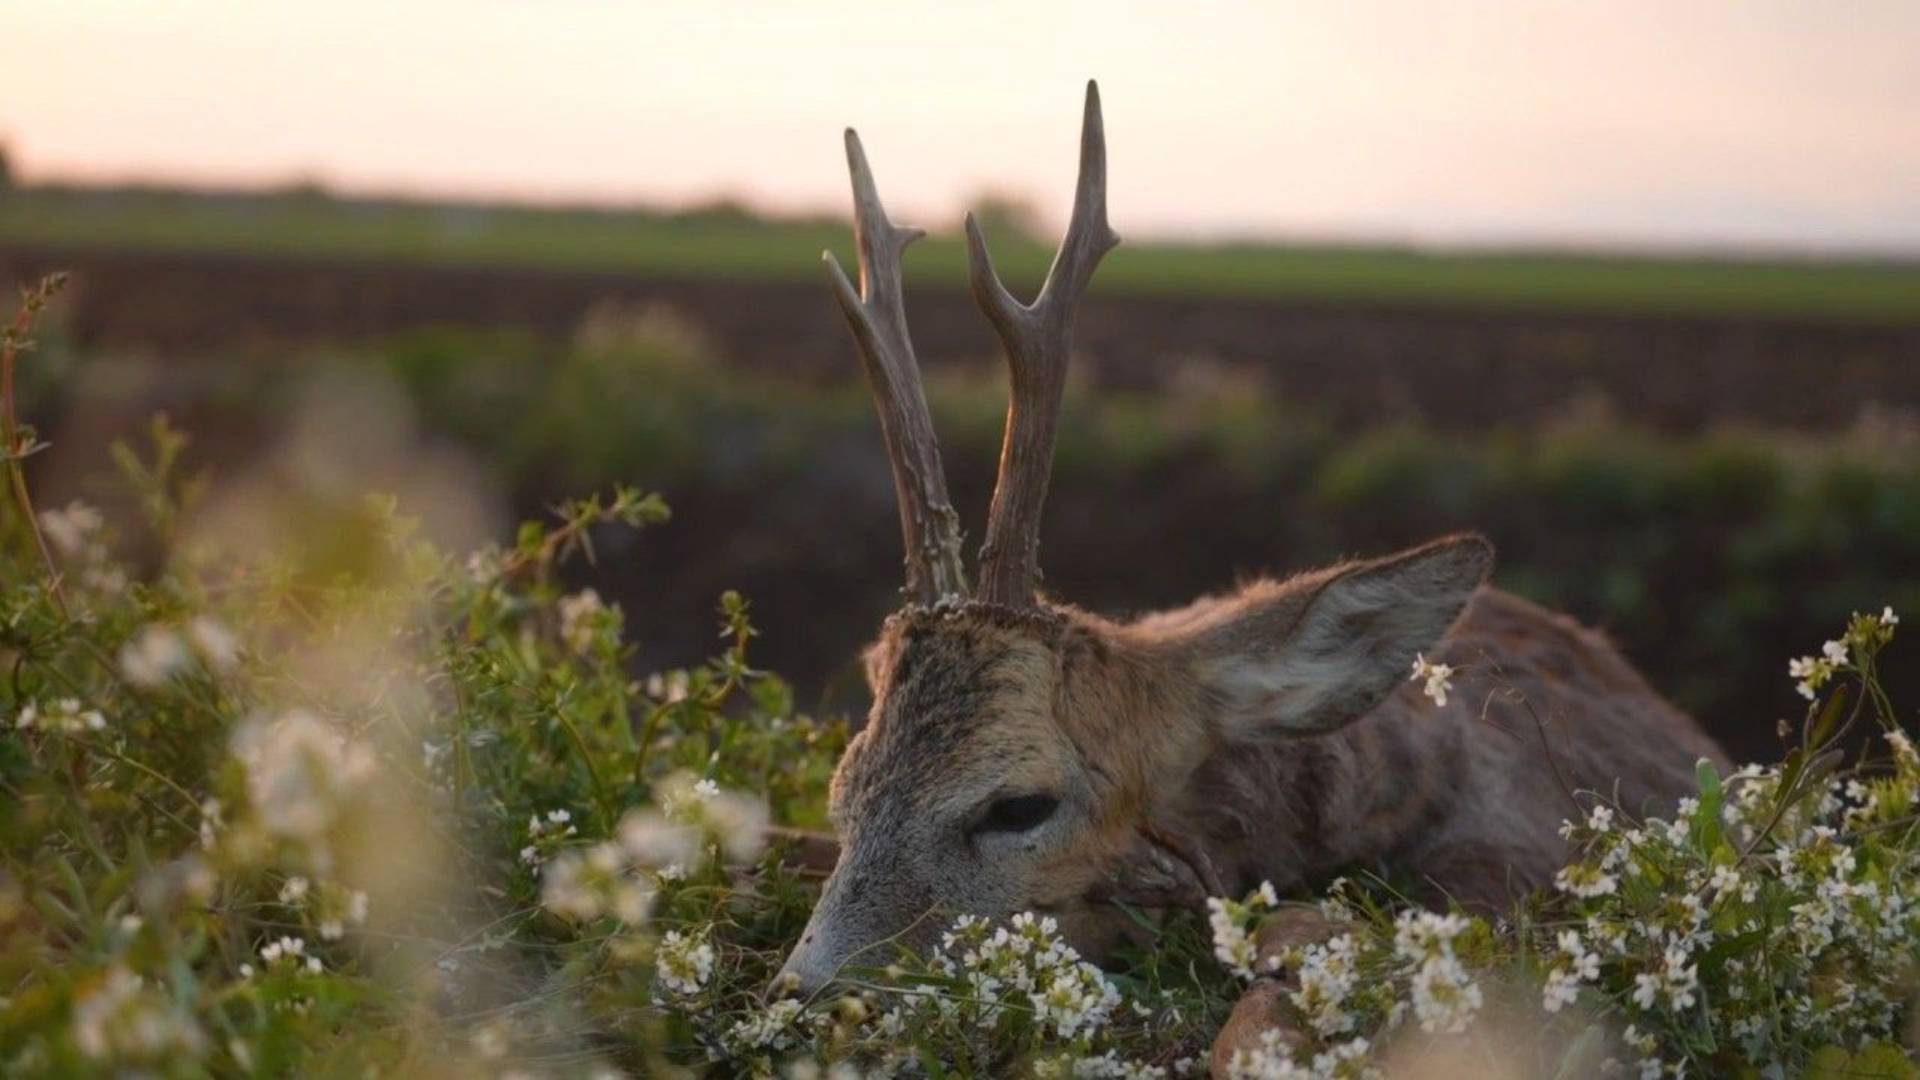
314,225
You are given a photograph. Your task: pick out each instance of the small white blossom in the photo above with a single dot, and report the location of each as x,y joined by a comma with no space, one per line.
579,615
683,963
217,647
152,656
1438,677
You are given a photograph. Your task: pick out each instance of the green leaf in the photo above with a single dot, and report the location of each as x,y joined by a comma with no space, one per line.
1706,816
1829,718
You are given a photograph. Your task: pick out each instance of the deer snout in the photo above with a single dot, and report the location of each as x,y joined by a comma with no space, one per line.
808,970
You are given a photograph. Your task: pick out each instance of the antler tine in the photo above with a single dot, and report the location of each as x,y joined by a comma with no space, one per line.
877,315
1038,339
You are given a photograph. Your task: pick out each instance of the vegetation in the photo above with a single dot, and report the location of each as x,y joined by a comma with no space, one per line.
724,241
1687,549
363,806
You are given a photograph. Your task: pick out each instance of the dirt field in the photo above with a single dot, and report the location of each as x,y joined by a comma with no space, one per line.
1450,367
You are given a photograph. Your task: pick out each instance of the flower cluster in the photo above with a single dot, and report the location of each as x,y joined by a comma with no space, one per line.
78,533
651,847
1024,963
1864,634
124,1021
66,716
545,833
1232,922
683,962
304,777
1445,998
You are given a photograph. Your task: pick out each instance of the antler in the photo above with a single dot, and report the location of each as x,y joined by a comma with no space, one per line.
878,318
1038,338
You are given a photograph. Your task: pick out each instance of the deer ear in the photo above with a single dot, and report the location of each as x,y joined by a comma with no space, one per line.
1316,653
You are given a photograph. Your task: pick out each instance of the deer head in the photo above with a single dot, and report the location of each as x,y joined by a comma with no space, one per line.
1022,754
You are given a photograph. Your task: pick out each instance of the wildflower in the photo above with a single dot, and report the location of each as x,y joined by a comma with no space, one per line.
1328,974
1439,678
65,716
1445,999
72,529
580,615
1585,880
216,644
212,820
544,833
668,688
651,840
294,891
152,656
770,1029
737,822
1230,921
121,1019
1421,936
598,881
301,774
683,962
1812,673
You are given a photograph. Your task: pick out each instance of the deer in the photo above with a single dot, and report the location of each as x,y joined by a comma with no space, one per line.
1022,754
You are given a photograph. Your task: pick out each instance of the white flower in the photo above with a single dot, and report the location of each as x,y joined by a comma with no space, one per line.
1585,880
1562,989
215,643
1230,921
1888,618
651,840
302,775
152,656
736,821
668,688
578,615
1420,936
1812,673
1328,973
64,716
73,528
683,963
768,1030
586,884
1439,678
121,1019
294,891
1445,998
1835,652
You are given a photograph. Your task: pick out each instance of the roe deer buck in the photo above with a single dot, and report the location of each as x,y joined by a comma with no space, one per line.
1023,754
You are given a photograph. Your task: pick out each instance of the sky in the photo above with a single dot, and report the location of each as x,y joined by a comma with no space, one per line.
1644,123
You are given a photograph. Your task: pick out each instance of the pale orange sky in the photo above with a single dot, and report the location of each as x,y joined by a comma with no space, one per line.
1770,122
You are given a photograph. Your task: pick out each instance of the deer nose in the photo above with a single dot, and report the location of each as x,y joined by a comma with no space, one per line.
802,975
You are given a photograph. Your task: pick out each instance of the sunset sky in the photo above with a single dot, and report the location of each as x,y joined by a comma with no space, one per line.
1757,122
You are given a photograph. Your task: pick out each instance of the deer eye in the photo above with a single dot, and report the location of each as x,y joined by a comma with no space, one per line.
1017,814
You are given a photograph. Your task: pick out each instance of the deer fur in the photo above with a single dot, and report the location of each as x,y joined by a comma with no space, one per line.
1268,735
